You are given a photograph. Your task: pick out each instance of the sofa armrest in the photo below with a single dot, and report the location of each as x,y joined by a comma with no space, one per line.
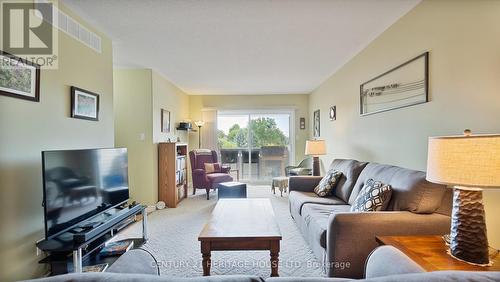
300,171
288,168
387,260
351,235
199,172
303,183
225,168
137,261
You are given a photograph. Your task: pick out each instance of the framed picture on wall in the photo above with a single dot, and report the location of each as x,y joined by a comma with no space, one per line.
302,123
332,114
19,78
84,104
403,86
316,123
165,121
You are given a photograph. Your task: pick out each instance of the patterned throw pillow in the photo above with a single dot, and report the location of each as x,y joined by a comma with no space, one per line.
374,196
328,183
212,167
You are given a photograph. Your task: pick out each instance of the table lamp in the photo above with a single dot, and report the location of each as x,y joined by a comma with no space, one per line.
199,123
315,148
469,164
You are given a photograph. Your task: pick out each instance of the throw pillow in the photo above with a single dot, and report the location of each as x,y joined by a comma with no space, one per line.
212,167
374,196
328,183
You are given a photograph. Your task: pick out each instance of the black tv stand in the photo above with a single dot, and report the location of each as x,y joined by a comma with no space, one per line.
67,251
90,225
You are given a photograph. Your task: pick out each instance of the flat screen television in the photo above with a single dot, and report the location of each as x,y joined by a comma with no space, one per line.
78,184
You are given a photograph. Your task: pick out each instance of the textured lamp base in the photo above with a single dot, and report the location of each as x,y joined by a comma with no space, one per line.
316,171
468,240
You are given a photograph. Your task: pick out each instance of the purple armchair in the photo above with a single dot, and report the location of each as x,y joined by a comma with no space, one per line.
201,179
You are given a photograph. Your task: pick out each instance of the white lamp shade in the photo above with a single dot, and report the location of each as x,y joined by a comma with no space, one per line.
199,123
471,161
315,147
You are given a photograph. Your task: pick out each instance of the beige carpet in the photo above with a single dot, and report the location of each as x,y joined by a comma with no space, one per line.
174,241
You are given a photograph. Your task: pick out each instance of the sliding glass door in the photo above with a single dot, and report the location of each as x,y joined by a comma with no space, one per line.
256,143
232,138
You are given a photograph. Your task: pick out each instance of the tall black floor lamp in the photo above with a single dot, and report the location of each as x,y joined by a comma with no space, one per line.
199,123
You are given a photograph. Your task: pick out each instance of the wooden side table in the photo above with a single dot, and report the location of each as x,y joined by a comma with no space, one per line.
430,252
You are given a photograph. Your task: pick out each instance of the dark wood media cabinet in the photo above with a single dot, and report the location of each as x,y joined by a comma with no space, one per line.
73,249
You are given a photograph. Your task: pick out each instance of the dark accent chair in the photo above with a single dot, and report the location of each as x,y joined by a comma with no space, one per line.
303,168
201,179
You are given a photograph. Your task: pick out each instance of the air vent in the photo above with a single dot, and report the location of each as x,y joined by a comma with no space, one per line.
74,29
71,27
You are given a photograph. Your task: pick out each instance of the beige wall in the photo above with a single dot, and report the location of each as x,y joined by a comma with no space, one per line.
133,119
463,38
298,102
27,128
140,94
169,97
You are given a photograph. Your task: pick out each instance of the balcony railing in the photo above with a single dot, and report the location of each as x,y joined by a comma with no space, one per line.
257,163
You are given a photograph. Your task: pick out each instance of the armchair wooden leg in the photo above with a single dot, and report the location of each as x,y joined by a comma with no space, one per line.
194,191
208,193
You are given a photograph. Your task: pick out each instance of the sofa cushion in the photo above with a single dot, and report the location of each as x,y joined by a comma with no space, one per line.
121,277
297,199
350,172
300,171
388,260
307,279
446,206
316,219
135,261
410,191
212,167
328,183
374,196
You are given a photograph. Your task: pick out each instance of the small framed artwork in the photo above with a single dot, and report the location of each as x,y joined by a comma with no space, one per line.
316,123
302,123
165,121
333,113
84,104
19,78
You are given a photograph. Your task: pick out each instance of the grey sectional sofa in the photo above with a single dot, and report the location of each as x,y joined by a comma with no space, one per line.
342,240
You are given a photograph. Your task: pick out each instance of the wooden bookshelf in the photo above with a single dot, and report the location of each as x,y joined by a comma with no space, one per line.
172,173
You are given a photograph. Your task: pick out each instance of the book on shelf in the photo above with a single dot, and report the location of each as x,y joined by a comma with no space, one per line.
95,268
181,163
116,248
179,177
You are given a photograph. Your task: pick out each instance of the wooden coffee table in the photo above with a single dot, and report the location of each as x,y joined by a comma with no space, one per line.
240,225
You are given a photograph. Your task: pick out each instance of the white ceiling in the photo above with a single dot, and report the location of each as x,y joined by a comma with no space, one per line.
241,46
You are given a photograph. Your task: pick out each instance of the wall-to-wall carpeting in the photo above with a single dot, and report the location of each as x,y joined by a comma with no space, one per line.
174,241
